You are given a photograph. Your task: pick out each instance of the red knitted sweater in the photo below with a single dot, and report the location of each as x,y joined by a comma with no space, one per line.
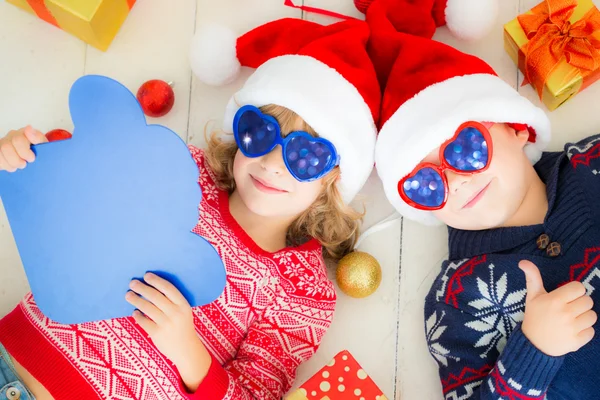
274,311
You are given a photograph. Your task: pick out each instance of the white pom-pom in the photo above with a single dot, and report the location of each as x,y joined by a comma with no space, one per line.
213,55
534,151
471,19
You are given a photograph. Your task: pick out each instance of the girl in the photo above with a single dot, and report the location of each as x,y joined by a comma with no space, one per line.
273,198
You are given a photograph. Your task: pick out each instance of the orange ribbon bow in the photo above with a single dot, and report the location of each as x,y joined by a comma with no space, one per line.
552,36
39,7
41,10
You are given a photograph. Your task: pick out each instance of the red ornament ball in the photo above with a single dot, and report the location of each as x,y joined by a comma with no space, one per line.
362,5
156,98
58,134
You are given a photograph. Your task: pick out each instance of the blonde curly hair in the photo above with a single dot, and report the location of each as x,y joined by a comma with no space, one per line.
329,220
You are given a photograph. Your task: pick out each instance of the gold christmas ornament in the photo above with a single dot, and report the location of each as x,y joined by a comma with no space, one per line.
358,274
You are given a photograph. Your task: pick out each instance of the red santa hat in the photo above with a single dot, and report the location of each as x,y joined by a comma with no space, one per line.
322,73
430,90
466,19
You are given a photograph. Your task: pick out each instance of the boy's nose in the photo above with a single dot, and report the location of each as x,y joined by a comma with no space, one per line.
456,181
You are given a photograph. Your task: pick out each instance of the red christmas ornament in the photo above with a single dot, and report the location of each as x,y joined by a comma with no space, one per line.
362,5
58,134
156,98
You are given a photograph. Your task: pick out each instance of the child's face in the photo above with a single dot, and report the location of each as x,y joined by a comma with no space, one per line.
268,189
488,199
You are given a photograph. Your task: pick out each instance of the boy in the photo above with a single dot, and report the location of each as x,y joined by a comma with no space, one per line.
460,146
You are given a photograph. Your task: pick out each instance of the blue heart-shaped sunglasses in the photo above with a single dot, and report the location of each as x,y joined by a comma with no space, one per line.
306,157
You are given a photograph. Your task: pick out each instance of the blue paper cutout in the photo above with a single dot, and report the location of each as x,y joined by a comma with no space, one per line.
118,199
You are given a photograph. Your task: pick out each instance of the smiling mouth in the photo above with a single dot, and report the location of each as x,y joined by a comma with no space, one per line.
265,186
475,199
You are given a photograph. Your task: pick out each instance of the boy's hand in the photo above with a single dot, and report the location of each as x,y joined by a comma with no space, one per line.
167,317
558,322
15,148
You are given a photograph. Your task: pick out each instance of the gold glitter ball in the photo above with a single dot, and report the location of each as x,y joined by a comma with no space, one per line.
358,274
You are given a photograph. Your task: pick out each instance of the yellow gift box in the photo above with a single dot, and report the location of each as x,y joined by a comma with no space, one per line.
557,48
96,22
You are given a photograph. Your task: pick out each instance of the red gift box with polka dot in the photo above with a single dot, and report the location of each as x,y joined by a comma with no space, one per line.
342,379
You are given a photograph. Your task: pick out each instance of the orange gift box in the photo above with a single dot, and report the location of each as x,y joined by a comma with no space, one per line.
557,48
342,379
96,22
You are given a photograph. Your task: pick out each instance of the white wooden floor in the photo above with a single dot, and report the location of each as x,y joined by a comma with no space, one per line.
385,332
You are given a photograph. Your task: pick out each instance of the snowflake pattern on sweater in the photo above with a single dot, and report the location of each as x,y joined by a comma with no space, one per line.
271,317
475,307
498,313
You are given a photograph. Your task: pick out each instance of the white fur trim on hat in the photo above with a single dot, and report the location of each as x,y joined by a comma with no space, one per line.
323,98
471,19
427,120
213,56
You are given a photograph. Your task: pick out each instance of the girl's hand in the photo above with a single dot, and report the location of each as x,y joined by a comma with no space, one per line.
15,148
167,317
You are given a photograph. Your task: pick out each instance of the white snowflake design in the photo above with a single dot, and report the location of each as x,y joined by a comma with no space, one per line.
435,330
294,270
204,176
313,286
498,312
307,278
284,258
210,193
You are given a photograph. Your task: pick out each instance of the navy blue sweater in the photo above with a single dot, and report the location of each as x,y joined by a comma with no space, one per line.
474,310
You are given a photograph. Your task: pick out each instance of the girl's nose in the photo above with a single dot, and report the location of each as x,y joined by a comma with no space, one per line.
273,162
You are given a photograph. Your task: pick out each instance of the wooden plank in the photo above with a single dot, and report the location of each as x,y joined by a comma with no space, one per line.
37,59
152,44
368,328
39,62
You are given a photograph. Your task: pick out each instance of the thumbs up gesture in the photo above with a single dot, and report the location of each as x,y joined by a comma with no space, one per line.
558,322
